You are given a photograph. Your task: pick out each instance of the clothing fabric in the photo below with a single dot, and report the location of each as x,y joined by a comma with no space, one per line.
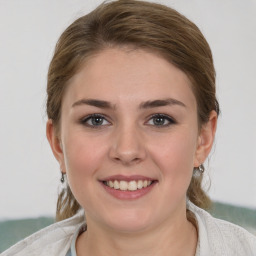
215,238
72,249
53,240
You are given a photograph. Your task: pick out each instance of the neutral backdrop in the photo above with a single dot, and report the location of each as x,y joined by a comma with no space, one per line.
29,29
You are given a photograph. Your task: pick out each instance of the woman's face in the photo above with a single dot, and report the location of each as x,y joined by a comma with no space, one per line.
129,120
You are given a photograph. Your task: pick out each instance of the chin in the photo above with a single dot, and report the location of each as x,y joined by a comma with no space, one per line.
129,222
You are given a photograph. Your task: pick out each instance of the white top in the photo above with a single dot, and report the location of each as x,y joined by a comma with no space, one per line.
216,238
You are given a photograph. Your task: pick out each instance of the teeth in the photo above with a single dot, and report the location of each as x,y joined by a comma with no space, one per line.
111,184
123,185
140,184
116,184
131,185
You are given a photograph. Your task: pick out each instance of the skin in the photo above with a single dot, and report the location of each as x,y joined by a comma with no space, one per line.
128,142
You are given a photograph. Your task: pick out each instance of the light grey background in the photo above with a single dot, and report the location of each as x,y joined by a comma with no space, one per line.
29,29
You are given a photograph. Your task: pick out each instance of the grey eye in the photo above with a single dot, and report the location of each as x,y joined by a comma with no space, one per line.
95,120
161,120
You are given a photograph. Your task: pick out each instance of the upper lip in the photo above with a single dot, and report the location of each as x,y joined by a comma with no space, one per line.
127,178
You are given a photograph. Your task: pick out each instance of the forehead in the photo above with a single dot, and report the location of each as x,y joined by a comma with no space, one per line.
122,75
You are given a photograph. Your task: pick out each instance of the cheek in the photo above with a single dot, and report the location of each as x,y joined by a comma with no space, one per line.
83,157
175,154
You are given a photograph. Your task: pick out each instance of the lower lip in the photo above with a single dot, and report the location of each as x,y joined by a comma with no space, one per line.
128,195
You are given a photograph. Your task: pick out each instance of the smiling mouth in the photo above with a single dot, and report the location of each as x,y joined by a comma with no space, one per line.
132,185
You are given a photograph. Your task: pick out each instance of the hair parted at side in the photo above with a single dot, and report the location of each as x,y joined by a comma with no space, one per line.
142,25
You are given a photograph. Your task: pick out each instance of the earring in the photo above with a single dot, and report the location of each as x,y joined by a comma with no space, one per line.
198,171
201,168
62,177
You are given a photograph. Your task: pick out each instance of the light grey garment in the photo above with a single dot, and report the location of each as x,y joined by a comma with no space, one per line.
216,238
72,249
50,241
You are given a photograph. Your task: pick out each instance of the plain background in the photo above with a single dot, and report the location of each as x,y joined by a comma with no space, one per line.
29,29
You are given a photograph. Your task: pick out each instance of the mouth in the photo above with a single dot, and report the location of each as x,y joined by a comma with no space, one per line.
128,187
132,185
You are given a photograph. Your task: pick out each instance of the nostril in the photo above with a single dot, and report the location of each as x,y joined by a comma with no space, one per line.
127,160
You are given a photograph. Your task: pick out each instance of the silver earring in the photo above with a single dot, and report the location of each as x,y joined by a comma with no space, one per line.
201,168
198,171
62,178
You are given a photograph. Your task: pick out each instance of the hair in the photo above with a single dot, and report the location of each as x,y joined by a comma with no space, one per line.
143,25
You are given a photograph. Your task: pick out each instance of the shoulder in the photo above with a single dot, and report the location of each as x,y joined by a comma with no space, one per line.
220,237
52,240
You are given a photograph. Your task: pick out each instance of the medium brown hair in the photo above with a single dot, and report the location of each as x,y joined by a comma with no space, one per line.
142,25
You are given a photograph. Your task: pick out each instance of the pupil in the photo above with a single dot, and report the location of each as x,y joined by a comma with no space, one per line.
159,121
97,121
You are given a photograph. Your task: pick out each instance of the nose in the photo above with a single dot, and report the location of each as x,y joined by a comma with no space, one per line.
127,146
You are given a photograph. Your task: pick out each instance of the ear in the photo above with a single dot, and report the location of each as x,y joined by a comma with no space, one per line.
206,139
55,144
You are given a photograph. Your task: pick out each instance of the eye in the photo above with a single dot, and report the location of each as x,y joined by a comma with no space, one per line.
160,120
95,120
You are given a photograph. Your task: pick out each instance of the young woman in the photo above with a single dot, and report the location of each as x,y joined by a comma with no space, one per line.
132,117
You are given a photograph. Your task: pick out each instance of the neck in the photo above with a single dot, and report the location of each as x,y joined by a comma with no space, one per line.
177,238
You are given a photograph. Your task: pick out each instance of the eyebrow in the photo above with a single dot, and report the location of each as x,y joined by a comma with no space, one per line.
95,103
144,105
161,103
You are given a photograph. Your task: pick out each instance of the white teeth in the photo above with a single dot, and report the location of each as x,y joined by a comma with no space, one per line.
116,184
140,184
111,184
131,185
123,185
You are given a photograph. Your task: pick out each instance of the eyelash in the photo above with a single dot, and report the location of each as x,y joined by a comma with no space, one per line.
170,120
85,120
165,118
